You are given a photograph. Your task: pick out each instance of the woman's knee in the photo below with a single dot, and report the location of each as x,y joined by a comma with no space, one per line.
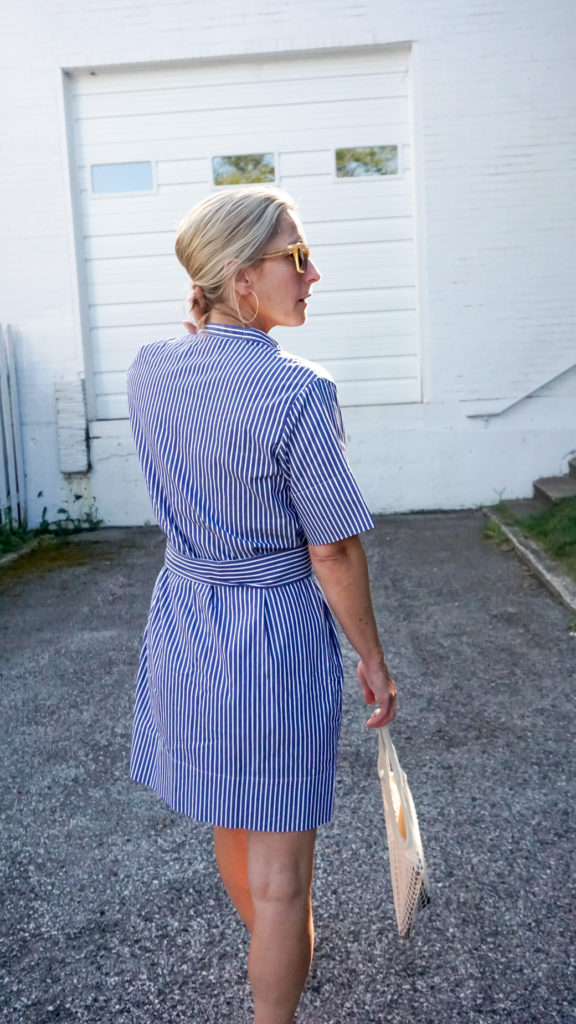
280,868
286,889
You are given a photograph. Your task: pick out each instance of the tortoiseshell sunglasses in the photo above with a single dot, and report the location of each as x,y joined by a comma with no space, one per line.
300,252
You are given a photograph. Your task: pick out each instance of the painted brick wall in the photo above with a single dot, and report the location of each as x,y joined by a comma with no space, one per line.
495,139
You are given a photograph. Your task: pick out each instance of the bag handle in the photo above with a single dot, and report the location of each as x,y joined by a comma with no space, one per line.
387,748
385,740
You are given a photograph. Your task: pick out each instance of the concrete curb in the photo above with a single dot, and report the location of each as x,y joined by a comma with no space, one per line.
559,582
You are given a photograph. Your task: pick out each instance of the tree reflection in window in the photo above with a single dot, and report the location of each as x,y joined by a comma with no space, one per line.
366,160
245,169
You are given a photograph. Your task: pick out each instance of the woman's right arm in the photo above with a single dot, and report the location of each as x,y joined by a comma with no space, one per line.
342,572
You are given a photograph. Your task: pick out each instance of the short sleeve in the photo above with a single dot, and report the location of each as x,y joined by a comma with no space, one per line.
323,490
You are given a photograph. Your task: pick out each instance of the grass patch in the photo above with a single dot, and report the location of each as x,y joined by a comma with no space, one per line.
554,529
494,532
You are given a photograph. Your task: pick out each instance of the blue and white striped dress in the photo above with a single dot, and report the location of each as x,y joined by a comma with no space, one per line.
239,688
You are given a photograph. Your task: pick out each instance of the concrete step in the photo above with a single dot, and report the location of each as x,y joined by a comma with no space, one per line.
524,507
555,488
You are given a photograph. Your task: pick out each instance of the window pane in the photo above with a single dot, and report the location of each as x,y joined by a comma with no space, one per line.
243,170
135,177
363,160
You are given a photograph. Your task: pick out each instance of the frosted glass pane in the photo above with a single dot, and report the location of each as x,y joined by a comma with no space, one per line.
136,177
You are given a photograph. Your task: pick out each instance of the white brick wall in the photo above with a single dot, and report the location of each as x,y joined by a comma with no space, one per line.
495,138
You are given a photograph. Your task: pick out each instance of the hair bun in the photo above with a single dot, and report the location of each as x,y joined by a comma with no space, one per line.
199,300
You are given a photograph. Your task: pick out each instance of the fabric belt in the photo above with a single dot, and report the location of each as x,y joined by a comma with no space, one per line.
263,571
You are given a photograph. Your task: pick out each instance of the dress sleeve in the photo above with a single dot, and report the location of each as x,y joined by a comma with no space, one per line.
323,490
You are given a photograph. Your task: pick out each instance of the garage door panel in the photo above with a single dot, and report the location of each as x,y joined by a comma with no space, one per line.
120,216
339,260
274,120
363,313
335,336
322,339
373,368
172,308
151,315
342,205
318,233
175,172
238,138
115,347
339,233
299,162
247,96
350,276
370,300
344,275
138,291
233,72
175,287
394,290
153,243
162,268
369,265
352,198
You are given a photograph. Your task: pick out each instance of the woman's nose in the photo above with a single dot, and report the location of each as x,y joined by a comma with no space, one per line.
312,273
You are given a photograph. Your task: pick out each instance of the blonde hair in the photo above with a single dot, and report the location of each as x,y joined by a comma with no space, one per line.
228,230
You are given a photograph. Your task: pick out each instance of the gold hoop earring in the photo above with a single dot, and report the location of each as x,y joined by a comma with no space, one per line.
240,317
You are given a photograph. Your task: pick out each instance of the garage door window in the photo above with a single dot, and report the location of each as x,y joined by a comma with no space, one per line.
244,169
116,178
366,161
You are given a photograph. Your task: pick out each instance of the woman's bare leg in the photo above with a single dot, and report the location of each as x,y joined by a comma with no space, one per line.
230,850
280,867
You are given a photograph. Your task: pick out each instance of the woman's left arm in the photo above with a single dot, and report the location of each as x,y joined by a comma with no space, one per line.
342,572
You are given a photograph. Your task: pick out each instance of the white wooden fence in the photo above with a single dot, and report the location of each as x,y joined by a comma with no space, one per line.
12,482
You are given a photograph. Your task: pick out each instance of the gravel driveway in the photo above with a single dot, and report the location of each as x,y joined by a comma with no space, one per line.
112,911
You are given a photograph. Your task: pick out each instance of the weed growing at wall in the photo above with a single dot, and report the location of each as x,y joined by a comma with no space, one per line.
13,537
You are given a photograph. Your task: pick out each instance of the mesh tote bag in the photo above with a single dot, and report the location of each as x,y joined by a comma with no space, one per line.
407,866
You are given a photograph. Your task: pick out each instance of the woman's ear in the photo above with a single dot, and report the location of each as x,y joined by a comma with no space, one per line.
239,277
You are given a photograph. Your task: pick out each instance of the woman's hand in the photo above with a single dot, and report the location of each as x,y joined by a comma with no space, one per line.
378,688
190,327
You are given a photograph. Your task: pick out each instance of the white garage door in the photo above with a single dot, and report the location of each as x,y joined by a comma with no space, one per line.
333,130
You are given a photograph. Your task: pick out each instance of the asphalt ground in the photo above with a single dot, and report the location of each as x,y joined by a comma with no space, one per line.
111,906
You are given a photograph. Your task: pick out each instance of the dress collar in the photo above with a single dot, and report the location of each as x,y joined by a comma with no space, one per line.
243,333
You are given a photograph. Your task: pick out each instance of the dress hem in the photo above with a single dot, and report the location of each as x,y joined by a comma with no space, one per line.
256,804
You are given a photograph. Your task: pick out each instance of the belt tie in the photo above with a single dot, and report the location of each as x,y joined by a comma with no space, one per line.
261,571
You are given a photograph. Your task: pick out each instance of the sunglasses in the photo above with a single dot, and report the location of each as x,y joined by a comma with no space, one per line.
300,252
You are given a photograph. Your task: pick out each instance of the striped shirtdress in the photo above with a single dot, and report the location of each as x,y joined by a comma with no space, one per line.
238,696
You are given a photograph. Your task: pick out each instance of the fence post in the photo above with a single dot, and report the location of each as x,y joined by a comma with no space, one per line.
12,477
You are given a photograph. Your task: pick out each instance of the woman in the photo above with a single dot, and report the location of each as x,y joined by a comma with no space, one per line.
239,689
